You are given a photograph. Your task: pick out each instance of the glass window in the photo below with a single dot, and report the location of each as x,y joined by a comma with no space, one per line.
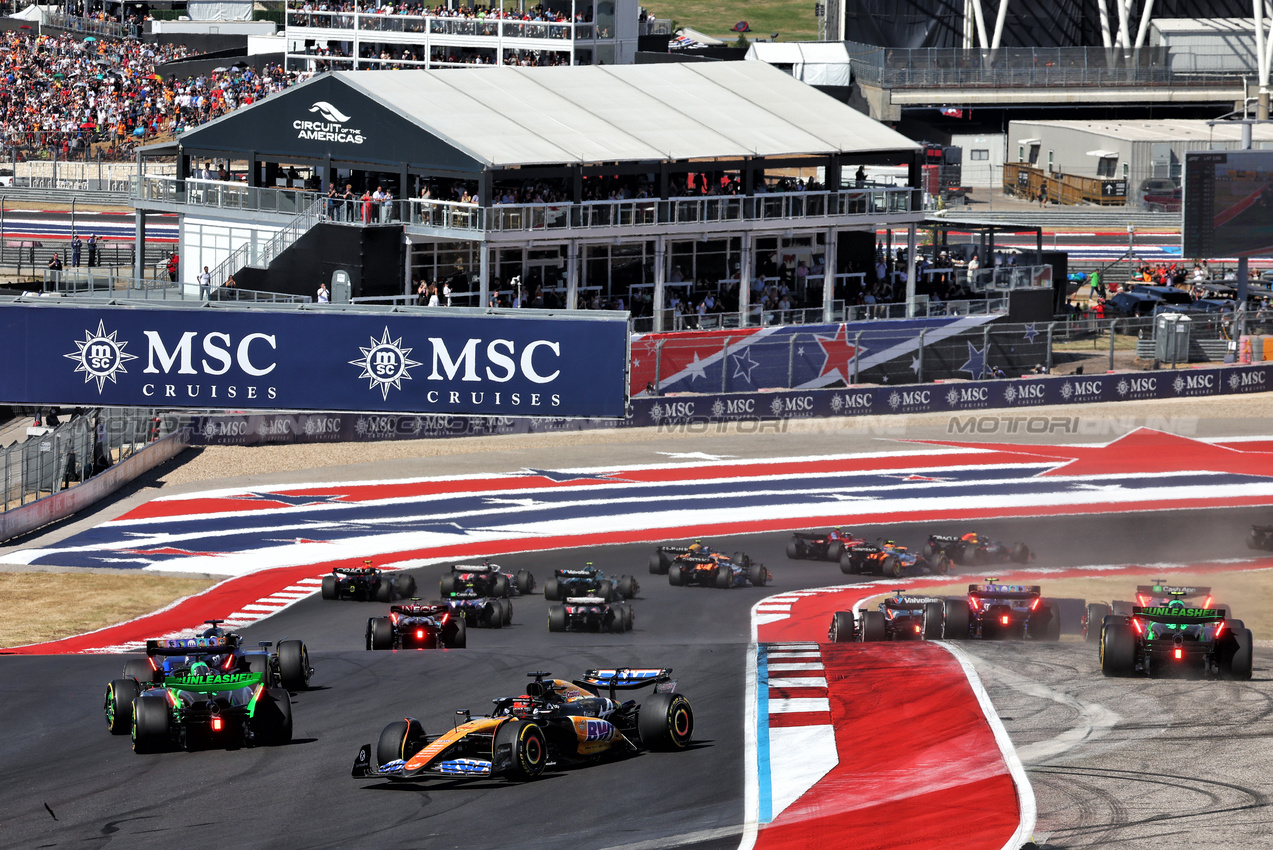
980,155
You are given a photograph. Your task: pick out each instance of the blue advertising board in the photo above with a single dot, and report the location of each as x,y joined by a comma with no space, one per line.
447,362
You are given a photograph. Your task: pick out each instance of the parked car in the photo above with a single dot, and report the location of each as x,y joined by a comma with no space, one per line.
1131,305
1161,194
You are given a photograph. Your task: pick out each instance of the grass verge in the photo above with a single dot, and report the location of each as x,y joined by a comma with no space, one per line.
793,20
34,606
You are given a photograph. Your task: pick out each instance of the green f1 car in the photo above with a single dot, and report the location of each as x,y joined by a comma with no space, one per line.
1175,640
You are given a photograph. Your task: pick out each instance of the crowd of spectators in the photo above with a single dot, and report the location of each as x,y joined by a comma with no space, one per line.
475,12
78,98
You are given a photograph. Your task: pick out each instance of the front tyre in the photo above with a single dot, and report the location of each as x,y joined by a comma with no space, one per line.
524,581
666,722
401,739
659,564
293,664
1096,614
557,618
675,576
527,746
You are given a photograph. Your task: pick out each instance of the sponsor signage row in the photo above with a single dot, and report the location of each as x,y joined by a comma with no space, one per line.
447,364
954,398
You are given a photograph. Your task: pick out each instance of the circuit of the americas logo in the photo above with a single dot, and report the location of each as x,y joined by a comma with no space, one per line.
100,356
385,364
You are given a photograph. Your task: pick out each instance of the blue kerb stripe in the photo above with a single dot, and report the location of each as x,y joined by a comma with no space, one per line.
765,815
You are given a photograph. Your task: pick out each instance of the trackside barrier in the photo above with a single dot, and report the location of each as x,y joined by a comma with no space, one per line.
968,400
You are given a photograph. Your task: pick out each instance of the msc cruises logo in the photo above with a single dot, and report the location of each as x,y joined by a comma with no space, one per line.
331,129
329,112
100,356
385,363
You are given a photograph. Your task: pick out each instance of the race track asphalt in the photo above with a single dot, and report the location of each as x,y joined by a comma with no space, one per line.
68,783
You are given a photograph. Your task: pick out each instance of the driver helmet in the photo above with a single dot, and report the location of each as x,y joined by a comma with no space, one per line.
889,543
200,668
971,537
1176,603
696,545
366,562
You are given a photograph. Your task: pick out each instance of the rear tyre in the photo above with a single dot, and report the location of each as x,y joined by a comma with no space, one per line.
666,722
524,581
139,669
507,605
456,634
944,564
848,564
1051,630
293,664
724,577
617,620
528,745
675,576
1121,608
401,739
1240,662
329,587
406,586
1096,614
446,586
1257,540
557,618
967,555
892,566
381,633
272,718
956,620
659,564
873,628
834,550
629,617
605,590
793,551
928,551
501,586
384,590
493,614
552,590
119,705
628,587
932,620
1118,648
758,575
841,630
1020,553
150,727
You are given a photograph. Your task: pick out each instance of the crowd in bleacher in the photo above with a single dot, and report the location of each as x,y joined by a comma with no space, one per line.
77,98
474,12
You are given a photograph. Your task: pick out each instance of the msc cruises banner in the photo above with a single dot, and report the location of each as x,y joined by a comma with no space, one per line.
452,363
975,407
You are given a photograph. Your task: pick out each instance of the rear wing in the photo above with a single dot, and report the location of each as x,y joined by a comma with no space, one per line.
218,645
464,594
475,568
944,538
1006,591
585,600
355,571
1180,616
629,678
674,550
1158,590
587,572
909,601
418,610
809,535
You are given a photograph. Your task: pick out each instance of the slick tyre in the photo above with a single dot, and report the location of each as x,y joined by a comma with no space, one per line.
501,586
557,618
381,633
842,630
848,564
628,587
401,739
873,628
835,550
793,551
524,581
659,564
605,590
1118,648
384,590
891,566
1049,626
119,705
956,620
329,587
527,745
724,577
446,586
665,722
758,575
967,555
456,634
943,564
272,718
138,669
493,614
150,727
552,590
629,617
507,606
406,586
1257,540
293,664
1241,662
617,620
1096,614
1020,553
675,576
932,621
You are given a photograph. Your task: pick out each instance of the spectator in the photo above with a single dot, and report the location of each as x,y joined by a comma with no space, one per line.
205,283
324,297
172,266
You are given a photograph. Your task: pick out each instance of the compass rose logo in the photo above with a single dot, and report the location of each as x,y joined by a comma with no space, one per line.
385,363
100,356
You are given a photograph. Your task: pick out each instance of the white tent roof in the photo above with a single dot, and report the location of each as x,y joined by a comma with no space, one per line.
818,63
525,116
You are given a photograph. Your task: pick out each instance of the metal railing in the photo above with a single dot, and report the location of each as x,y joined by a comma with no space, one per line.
221,194
840,312
260,255
446,26
70,453
1043,67
119,288
114,29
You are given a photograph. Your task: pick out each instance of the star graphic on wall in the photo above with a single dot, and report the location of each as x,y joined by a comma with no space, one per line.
839,352
915,364
697,368
1030,332
744,364
1142,451
975,365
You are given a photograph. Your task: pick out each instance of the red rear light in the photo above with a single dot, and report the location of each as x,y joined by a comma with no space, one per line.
1136,625
1220,628
228,663
393,618
153,665
419,633
1180,653
1140,600
972,601
1004,619
445,617
1207,604
917,630
216,724
1035,604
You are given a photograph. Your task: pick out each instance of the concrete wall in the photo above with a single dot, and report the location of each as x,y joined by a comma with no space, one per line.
985,173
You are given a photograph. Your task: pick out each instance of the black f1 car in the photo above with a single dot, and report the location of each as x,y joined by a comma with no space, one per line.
899,617
886,558
367,584
198,692
414,625
485,579
1158,594
590,613
590,581
491,612
997,611
1175,639
554,723
821,545
973,550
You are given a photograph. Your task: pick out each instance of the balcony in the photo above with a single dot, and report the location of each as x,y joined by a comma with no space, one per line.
422,29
